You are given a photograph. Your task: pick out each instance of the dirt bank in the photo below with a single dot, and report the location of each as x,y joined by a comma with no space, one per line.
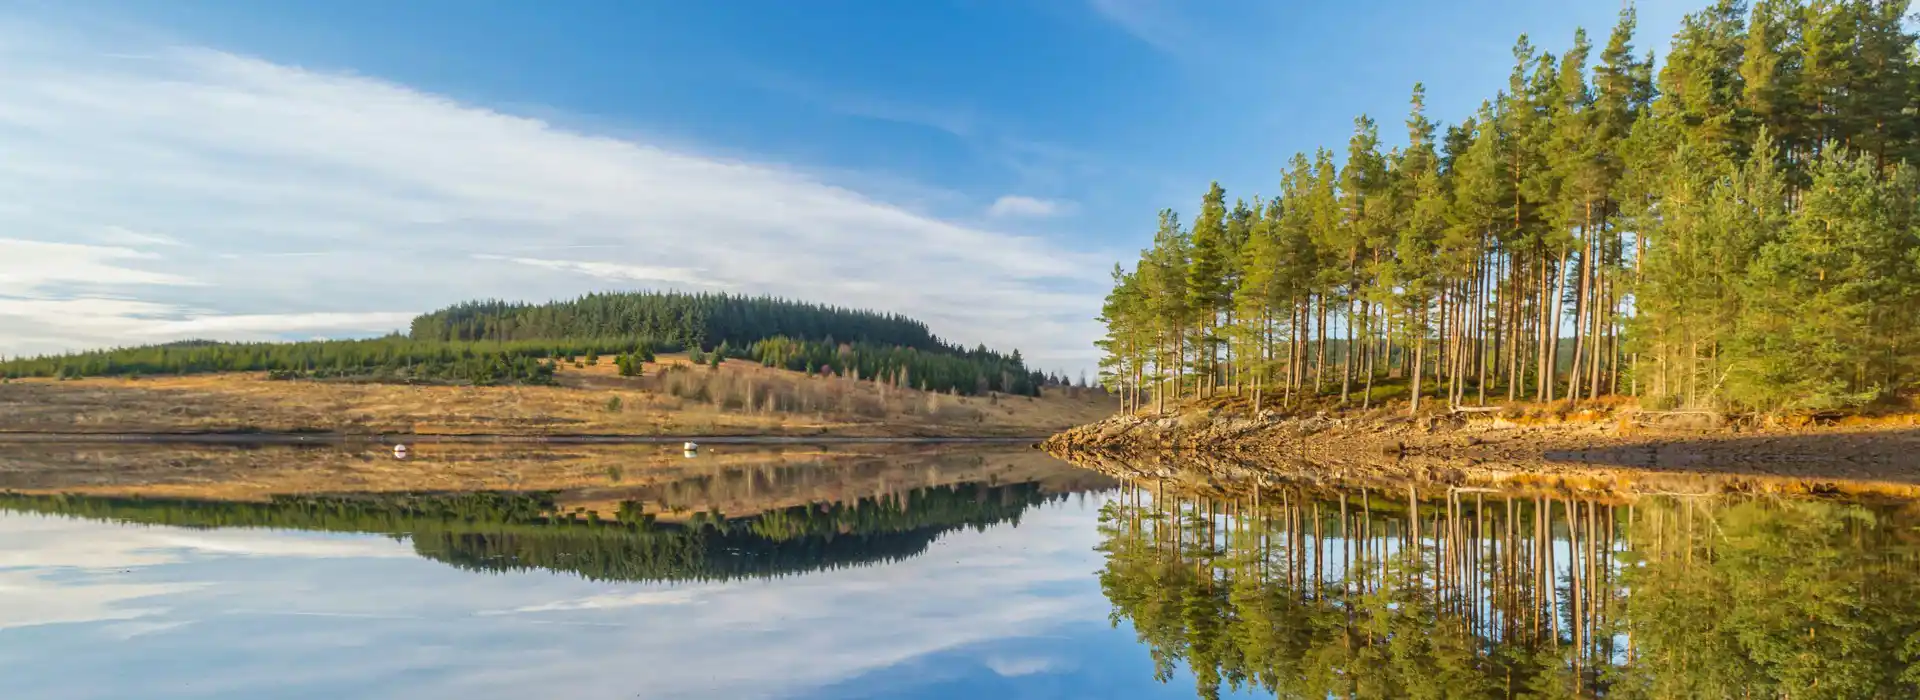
674,399
738,479
1519,440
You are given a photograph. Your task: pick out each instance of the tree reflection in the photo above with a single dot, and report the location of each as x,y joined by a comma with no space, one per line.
1309,592
501,531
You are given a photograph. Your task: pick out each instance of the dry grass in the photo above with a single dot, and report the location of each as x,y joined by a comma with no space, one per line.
674,398
736,481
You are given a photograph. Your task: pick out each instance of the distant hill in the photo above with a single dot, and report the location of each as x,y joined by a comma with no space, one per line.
689,320
498,342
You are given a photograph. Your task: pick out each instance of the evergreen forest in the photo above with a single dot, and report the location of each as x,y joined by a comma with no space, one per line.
1731,229
497,342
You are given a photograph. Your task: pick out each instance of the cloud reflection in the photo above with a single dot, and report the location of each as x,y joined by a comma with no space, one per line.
251,612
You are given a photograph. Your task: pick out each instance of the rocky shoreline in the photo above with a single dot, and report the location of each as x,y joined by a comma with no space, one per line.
1510,440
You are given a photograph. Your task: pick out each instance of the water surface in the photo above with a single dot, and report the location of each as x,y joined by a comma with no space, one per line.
929,574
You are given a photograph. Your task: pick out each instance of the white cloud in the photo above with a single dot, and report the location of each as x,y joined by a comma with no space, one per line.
50,325
615,271
26,266
115,235
420,201
1016,205
1013,667
608,601
1153,22
248,324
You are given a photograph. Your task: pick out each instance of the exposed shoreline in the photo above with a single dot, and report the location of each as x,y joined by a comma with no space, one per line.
324,438
1596,440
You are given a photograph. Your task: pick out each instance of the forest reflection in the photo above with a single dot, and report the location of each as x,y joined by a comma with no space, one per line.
1305,591
493,531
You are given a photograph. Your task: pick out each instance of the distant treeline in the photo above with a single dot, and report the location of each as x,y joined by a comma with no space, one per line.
499,531
391,358
969,372
496,342
703,320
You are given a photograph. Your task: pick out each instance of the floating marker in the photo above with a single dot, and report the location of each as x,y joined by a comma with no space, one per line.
399,451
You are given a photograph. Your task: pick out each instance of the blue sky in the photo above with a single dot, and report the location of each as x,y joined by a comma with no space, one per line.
274,170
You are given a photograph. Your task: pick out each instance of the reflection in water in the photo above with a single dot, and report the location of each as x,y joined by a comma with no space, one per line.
1307,592
499,531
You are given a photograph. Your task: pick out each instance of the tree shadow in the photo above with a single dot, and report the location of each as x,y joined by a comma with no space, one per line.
1884,455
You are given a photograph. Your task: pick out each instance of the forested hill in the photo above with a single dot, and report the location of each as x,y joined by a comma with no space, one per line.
692,320
497,342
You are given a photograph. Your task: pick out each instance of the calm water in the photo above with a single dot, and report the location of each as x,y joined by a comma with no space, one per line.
966,580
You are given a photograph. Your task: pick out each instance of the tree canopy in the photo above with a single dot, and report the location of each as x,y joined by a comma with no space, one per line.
1733,229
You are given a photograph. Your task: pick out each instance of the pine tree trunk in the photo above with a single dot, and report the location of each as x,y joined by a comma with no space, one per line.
1543,293
1320,352
1482,302
1574,371
1346,353
1516,324
1419,357
1553,328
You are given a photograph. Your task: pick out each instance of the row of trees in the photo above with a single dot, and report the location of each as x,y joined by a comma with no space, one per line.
390,358
691,320
1736,229
904,367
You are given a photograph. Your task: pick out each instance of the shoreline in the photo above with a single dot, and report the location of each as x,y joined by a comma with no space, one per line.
1599,440
333,438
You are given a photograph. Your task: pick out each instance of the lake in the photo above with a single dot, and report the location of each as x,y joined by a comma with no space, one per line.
920,573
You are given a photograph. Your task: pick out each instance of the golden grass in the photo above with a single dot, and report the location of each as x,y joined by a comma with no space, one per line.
597,478
686,400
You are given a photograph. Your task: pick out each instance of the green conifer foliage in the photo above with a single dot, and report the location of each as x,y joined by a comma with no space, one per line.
1733,229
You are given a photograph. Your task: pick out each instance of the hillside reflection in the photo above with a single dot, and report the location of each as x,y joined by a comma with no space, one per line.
508,531
1304,591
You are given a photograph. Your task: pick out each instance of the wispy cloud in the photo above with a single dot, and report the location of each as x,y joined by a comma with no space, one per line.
1013,667
1153,22
26,266
422,201
1016,205
618,271
115,235
955,120
609,601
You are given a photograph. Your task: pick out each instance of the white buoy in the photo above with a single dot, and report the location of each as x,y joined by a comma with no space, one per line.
691,446
399,451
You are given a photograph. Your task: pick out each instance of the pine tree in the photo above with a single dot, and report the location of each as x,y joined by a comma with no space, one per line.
1581,234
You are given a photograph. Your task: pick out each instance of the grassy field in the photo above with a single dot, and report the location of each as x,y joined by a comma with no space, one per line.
735,480
672,397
